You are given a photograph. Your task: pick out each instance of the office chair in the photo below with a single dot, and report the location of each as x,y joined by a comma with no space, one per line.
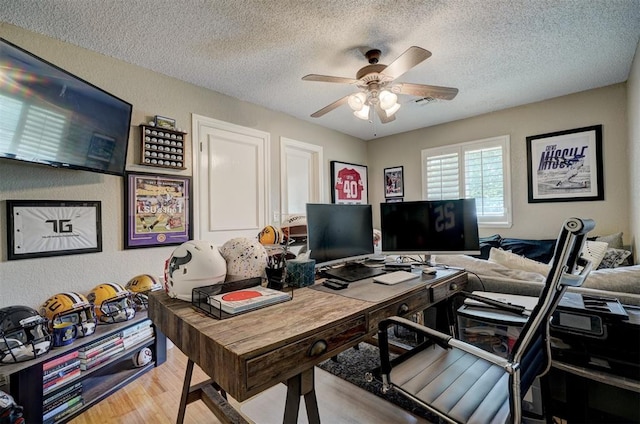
462,383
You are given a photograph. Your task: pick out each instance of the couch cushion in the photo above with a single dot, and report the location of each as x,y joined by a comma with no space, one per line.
486,243
513,261
538,250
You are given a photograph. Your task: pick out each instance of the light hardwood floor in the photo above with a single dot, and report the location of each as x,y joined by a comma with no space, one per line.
154,398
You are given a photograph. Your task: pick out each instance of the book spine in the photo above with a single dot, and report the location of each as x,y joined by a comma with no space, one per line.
62,368
141,325
62,408
60,360
97,351
52,399
59,382
97,344
137,338
61,372
64,399
104,357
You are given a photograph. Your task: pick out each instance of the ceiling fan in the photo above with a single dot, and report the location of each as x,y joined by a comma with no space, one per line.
377,88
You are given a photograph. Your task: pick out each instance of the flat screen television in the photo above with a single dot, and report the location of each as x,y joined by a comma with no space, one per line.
338,233
429,226
52,117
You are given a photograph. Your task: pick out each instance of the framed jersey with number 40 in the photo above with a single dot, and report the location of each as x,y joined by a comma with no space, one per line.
349,183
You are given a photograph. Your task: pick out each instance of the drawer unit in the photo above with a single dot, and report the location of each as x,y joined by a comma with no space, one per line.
442,290
410,304
302,354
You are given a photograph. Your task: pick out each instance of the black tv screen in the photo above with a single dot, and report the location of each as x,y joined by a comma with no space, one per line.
52,117
339,233
426,227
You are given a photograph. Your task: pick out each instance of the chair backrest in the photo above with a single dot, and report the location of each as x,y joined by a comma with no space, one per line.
532,350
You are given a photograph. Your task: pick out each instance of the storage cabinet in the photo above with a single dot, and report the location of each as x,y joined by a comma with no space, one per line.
35,386
162,147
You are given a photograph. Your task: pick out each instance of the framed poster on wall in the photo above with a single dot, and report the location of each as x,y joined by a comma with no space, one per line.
349,183
39,228
394,182
157,210
566,166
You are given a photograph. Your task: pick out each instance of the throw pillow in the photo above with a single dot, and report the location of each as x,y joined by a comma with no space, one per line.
594,251
613,240
614,258
513,261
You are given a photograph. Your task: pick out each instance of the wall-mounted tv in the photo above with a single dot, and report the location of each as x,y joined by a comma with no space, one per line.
52,117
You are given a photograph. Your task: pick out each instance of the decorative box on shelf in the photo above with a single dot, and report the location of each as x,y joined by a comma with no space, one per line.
162,147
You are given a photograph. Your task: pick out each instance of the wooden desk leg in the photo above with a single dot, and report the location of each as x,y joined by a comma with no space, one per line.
185,392
301,385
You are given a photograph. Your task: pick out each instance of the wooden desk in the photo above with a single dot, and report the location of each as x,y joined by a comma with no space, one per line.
249,353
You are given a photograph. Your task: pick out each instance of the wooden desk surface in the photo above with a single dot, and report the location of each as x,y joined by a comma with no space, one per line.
251,352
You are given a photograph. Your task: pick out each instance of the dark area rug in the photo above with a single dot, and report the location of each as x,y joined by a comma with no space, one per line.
352,366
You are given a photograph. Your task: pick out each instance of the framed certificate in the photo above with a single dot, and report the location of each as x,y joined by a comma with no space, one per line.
40,228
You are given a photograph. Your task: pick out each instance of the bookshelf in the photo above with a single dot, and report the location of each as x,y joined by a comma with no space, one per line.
76,376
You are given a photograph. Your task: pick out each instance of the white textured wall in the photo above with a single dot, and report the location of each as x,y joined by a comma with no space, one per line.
32,281
606,106
633,115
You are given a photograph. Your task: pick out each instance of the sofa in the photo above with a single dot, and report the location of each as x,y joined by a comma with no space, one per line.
520,266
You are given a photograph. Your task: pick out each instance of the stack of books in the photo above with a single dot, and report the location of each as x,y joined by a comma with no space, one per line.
60,371
100,351
56,374
136,334
63,403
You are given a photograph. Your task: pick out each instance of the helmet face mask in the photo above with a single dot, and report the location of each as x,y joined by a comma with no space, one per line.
24,335
140,286
112,303
70,307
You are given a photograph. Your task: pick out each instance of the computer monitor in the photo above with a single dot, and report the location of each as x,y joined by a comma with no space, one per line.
339,233
429,226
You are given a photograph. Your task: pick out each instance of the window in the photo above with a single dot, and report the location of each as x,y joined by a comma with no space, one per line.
477,169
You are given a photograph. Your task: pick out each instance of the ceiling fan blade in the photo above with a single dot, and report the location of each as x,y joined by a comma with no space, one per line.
421,90
330,107
327,78
383,115
407,60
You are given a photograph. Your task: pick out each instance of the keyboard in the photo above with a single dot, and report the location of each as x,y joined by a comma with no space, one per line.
353,273
395,277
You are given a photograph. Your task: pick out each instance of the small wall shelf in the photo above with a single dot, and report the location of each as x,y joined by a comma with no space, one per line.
162,147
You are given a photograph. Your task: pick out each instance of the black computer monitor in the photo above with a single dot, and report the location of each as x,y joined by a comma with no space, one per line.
429,226
339,233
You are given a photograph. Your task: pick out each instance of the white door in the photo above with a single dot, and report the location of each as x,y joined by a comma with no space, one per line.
301,176
231,180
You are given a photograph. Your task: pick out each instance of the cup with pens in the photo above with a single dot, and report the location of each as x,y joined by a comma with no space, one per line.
276,271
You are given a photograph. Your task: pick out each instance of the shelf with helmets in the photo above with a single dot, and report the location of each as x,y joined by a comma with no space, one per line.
79,355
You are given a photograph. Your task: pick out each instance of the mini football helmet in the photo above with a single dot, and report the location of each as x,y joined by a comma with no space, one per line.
141,286
246,258
195,263
112,303
24,334
270,235
10,412
70,307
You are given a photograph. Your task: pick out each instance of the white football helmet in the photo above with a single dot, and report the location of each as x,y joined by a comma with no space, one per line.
24,334
195,263
246,258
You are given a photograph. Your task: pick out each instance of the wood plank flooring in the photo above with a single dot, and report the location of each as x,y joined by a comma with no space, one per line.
154,398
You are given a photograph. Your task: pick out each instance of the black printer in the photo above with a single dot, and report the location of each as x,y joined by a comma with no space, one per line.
597,333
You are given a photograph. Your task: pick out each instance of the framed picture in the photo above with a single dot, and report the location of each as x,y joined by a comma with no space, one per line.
163,122
349,183
394,182
565,166
39,228
157,210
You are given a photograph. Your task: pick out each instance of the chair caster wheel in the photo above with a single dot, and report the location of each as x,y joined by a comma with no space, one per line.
368,377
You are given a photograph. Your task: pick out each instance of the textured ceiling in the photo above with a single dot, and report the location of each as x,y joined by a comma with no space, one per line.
499,54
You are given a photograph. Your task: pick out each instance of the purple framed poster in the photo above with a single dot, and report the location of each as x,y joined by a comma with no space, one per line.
157,210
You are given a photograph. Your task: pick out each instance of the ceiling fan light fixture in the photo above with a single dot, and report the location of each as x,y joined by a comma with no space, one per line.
387,99
363,113
392,110
357,101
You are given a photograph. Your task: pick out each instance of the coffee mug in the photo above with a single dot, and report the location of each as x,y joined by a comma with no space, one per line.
64,333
